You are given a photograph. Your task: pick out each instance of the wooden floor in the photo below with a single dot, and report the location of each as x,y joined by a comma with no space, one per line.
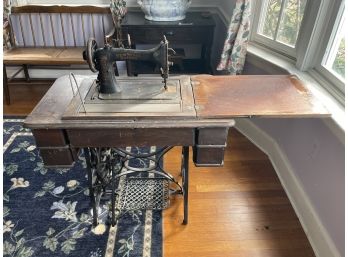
239,210
25,96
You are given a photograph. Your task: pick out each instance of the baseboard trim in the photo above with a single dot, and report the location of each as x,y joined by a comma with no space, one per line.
318,236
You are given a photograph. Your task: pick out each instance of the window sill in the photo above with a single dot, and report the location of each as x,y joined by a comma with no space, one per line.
336,107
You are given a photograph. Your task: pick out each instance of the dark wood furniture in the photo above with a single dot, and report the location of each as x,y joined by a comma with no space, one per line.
206,114
195,29
38,42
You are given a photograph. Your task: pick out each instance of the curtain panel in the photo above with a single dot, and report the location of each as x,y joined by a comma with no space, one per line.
235,47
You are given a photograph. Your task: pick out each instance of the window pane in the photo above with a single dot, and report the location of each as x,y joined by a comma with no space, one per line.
270,19
334,59
339,62
290,22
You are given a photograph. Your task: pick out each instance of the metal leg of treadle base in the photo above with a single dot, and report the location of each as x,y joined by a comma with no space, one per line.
185,180
90,185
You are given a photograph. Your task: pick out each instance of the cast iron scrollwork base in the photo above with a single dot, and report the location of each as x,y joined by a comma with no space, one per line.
105,166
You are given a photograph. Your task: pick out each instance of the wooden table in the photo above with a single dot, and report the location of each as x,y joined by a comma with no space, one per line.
200,117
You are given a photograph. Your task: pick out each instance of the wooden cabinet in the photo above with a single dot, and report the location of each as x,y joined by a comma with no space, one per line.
196,29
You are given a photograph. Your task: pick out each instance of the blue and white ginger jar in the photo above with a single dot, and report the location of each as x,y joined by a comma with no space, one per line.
164,10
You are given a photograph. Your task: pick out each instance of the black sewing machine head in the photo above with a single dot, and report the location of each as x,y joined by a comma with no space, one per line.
102,60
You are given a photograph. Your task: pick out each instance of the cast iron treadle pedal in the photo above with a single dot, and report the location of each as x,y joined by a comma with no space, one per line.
145,194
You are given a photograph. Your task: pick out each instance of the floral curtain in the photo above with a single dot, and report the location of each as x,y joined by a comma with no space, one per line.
7,4
235,47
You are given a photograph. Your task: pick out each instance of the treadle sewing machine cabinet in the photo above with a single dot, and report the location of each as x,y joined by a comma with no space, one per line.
103,116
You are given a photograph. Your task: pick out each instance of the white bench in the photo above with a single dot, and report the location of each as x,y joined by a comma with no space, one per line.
53,36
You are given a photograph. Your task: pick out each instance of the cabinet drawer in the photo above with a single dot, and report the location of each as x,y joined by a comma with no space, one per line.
206,156
212,136
182,35
49,137
58,156
130,137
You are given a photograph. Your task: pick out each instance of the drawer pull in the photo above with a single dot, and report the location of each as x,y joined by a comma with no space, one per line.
185,24
169,33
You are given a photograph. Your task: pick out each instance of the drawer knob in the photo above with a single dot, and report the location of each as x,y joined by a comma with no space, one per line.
169,33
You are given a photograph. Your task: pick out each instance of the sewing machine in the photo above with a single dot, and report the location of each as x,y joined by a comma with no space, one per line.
103,116
117,97
102,60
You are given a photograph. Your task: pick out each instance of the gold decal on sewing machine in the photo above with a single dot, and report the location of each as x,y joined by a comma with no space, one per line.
127,56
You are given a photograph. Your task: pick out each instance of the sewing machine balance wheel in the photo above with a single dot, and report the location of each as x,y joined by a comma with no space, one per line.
91,48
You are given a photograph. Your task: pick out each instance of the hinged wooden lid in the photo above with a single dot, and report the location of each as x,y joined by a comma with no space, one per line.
257,95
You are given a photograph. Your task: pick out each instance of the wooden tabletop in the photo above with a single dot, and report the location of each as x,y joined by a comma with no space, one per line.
49,112
216,99
282,96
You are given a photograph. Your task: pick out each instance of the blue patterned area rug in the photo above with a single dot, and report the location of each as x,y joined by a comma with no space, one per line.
47,211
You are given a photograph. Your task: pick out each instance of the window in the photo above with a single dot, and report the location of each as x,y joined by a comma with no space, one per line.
334,58
282,20
308,33
278,23
330,64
